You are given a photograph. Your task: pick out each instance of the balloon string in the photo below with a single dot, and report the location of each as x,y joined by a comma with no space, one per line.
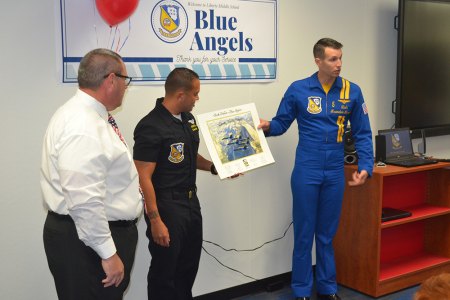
129,30
95,26
110,33
114,38
118,40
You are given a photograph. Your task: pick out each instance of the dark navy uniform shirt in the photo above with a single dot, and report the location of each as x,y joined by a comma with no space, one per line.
170,143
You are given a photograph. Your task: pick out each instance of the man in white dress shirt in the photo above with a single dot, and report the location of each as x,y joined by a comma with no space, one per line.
90,187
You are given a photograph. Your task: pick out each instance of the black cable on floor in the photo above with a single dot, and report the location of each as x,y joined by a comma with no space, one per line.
230,268
243,250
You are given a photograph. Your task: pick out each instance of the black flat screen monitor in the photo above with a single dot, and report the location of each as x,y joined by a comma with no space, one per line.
423,65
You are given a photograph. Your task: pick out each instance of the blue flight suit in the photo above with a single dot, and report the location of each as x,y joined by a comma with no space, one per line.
317,180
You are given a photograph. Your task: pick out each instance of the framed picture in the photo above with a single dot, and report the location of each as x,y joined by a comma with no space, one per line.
233,140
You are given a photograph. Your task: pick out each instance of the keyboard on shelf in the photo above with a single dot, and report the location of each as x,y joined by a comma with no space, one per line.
438,159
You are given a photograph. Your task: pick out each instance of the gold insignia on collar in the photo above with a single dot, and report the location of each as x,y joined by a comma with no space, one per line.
194,127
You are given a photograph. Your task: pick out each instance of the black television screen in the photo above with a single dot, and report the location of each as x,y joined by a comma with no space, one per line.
423,65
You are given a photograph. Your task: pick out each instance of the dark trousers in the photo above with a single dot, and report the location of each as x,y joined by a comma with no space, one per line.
173,269
76,268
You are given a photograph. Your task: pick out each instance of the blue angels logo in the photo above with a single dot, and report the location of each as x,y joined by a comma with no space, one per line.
169,21
314,105
176,153
396,143
169,17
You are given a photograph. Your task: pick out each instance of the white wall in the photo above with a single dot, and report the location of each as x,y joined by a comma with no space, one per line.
240,213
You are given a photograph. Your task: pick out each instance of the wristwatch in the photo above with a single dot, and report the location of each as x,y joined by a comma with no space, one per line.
213,170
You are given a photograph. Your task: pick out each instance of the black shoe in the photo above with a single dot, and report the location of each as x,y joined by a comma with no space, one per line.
328,297
302,298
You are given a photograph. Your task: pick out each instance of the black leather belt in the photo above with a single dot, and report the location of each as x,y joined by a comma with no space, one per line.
119,223
187,191
122,223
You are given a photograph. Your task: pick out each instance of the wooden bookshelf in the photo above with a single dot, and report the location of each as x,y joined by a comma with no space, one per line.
377,258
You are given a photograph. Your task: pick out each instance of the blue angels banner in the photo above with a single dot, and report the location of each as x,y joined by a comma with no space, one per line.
228,40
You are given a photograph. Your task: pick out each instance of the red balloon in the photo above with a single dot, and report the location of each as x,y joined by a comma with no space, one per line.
116,11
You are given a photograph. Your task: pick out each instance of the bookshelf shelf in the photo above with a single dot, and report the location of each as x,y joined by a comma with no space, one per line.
378,258
419,212
413,263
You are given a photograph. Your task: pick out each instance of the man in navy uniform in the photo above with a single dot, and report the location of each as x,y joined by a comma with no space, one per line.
166,157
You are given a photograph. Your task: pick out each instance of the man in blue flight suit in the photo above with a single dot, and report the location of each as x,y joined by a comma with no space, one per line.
322,105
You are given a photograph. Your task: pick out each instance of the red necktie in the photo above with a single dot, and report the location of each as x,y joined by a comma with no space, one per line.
115,127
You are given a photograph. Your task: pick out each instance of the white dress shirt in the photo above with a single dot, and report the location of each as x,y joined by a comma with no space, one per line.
88,172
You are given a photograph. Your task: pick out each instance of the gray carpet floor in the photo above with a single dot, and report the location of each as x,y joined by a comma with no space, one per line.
343,292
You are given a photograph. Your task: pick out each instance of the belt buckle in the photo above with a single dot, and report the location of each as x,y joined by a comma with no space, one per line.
190,194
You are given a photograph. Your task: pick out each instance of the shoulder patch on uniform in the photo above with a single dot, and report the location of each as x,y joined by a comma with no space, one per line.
176,153
365,109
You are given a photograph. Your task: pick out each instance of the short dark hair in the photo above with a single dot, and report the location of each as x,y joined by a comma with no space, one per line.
180,78
319,47
95,65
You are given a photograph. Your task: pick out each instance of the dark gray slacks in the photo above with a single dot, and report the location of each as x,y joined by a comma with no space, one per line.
76,268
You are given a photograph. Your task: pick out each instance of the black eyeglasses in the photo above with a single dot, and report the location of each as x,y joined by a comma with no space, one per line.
127,78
